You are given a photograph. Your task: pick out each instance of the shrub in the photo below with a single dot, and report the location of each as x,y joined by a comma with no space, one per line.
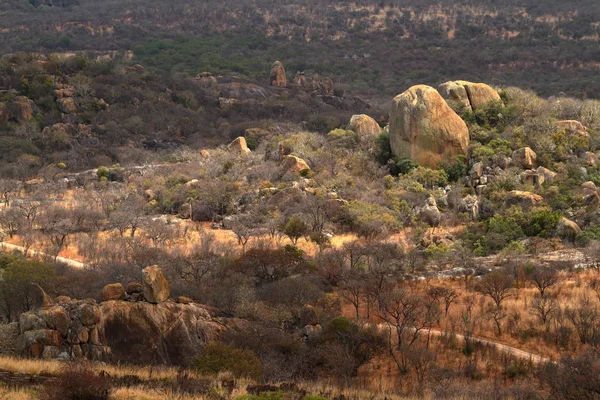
218,357
77,383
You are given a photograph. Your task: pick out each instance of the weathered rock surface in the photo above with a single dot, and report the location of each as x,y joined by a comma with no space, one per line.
19,109
567,229
239,146
425,129
572,127
293,164
524,158
524,199
363,125
120,331
114,291
156,287
472,95
590,158
67,105
278,76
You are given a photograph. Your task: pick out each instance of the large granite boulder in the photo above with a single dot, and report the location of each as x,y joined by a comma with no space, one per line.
293,164
156,287
19,109
524,199
363,125
472,95
239,146
425,129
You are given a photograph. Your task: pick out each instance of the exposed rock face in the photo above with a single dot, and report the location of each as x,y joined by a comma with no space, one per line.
278,77
524,158
471,95
293,164
425,129
590,158
67,105
567,229
546,173
470,205
430,213
572,127
524,199
363,125
114,291
19,109
239,146
156,287
119,331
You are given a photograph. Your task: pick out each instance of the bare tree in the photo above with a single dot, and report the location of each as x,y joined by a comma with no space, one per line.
585,319
544,307
544,278
496,285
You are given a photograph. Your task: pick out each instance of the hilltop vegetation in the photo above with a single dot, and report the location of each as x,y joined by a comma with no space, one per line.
549,48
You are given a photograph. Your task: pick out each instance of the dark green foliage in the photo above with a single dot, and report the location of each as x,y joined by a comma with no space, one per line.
541,223
217,357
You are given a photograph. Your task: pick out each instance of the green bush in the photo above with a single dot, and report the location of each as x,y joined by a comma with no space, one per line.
218,357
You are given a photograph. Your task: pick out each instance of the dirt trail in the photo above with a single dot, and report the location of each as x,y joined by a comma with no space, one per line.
35,253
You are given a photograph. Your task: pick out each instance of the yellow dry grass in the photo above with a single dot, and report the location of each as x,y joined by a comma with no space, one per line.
17,394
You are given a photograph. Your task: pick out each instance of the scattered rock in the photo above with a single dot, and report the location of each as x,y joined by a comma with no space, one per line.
293,164
524,158
363,125
239,146
156,287
114,291
425,129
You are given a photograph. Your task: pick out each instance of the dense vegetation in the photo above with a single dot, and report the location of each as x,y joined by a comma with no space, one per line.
549,48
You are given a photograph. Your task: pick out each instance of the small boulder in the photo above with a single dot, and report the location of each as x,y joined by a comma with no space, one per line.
476,170
308,315
67,105
88,314
134,287
29,321
590,158
293,164
524,199
572,127
546,173
114,291
56,318
589,185
363,125
239,146
156,287
567,229
184,300
473,95
524,158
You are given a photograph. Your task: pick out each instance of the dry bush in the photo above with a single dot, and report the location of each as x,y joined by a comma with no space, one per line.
77,383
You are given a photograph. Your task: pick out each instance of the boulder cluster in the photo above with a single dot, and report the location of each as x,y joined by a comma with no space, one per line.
137,324
19,109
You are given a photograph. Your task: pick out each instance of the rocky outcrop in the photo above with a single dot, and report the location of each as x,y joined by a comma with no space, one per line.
129,331
425,129
119,331
524,158
19,110
293,164
471,95
239,146
572,127
567,229
155,286
278,76
363,125
430,213
469,205
67,105
590,158
524,199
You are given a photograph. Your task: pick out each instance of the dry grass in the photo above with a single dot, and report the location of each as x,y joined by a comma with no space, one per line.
17,394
